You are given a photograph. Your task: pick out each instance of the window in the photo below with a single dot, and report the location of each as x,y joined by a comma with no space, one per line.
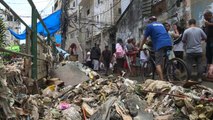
73,4
98,19
88,11
56,5
72,35
119,10
99,1
154,2
9,18
75,18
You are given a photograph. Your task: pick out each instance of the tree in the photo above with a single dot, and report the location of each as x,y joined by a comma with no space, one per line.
2,33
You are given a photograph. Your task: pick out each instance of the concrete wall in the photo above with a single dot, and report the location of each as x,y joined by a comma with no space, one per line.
10,39
105,14
116,9
59,2
130,25
198,7
12,24
73,24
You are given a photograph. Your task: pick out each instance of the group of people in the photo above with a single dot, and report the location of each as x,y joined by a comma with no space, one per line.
116,60
179,40
189,41
95,57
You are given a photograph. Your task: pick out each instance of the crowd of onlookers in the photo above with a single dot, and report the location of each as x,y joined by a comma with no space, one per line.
161,36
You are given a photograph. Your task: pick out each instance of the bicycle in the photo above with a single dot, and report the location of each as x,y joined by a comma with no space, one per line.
174,69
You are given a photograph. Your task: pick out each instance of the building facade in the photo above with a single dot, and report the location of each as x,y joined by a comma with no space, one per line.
134,19
57,5
12,23
102,21
130,23
86,22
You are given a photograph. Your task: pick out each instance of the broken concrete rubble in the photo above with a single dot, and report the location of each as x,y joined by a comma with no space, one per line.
112,98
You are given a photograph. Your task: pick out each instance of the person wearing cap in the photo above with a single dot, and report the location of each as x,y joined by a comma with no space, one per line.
161,42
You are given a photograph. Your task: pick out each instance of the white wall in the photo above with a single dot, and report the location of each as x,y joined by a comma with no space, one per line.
124,5
107,18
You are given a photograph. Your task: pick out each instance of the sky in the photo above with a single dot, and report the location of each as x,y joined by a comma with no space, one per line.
23,9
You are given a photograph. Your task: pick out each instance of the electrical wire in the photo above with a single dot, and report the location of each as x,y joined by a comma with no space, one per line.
27,2
94,23
47,6
28,16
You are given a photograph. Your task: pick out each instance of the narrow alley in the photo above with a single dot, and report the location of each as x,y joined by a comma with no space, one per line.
106,60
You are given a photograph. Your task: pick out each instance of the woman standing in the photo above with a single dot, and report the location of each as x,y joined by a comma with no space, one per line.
73,52
120,55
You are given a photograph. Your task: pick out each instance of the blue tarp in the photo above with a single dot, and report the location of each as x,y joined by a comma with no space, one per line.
52,23
18,36
62,52
58,39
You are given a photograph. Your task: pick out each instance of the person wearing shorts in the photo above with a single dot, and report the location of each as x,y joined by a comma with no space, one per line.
161,42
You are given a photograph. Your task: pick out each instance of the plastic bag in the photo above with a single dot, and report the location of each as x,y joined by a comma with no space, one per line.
64,106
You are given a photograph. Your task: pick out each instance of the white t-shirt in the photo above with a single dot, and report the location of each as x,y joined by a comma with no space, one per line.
176,47
88,56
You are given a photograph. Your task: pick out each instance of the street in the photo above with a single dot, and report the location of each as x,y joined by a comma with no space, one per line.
54,53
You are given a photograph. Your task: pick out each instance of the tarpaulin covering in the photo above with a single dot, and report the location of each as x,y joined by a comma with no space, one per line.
52,23
58,39
62,52
18,36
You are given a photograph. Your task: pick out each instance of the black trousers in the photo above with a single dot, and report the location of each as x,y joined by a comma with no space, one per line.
209,52
179,54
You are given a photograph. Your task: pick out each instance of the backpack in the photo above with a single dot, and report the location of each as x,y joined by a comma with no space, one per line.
119,52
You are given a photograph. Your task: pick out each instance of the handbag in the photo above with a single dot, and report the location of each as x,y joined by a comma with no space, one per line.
178,40
120,52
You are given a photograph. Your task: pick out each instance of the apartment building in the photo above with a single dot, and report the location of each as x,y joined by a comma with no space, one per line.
12,23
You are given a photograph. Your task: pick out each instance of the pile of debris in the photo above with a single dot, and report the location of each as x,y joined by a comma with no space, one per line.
165,99
15,90
123,99
112,98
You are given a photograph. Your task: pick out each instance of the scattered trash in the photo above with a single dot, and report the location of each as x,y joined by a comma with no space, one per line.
64,106
112,98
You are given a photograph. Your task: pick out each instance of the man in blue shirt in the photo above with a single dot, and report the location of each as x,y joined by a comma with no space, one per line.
161,42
